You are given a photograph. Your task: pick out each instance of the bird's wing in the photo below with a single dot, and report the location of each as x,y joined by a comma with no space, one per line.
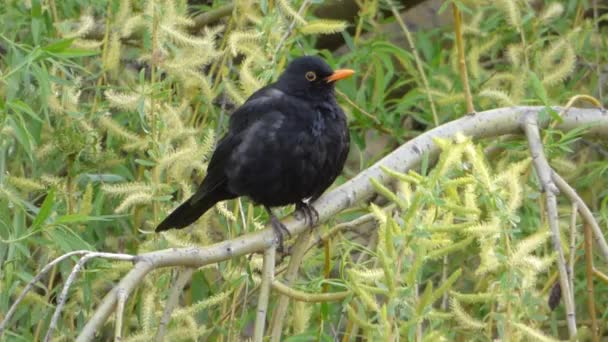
255,108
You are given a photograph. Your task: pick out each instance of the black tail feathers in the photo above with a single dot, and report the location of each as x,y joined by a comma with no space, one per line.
187,213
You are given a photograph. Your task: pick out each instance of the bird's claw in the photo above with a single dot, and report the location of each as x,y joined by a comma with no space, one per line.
279,229
310,214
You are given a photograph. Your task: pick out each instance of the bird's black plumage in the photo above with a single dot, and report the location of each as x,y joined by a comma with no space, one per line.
285,145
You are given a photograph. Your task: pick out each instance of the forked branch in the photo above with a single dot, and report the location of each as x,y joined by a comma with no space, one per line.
491,123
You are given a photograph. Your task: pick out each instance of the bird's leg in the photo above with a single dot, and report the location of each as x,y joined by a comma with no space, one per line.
308,211
279,229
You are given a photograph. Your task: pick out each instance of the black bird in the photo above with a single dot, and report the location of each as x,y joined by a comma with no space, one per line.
285,145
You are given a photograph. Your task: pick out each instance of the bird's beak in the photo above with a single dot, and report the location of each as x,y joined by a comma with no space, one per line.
339,74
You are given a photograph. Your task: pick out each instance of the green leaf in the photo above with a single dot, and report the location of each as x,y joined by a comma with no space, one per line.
538,87
72,218
45,209
21,133
22,107
554,115
58,45
73,53
144,162
67,240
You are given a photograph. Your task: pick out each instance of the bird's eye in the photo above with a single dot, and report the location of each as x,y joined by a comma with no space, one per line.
311,76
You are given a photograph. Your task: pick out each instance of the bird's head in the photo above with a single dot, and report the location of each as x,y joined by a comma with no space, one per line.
310,77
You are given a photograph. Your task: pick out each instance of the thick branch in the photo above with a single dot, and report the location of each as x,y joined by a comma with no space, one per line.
482,125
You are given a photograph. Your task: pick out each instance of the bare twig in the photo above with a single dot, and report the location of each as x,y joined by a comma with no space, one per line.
530,126
120,312
133,278
462,64
485,124
572,255
308,297
279,313
410,41
589,275
345,226
600,275
444,276
585,212
181,281
212,16
267,279
68,283
596,28
30,285
287,33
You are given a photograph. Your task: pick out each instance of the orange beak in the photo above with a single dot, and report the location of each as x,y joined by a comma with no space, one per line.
339,74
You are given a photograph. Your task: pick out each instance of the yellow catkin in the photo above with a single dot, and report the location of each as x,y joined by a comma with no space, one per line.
323,26
289,11
25,184
223,210
111,60
464,318
533,334
132,200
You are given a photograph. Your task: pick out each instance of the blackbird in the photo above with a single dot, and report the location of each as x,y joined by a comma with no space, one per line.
285,145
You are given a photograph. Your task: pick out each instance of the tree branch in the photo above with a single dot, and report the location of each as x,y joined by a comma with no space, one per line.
264,296
589,276
491,123
585,212
176,290
543,170
280,311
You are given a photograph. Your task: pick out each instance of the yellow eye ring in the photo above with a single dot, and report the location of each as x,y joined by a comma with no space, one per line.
311,76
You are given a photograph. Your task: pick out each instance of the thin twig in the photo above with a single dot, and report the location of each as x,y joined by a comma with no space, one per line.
267,279
572,255
589,275
363,219
30,285
585,212
530,127
287,33
410,41
68,283
181,281
596,27
444,276
462,64
309,297
212,16
600,275
280,311
120,313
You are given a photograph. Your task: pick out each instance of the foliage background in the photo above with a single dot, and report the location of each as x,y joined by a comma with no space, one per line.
110,109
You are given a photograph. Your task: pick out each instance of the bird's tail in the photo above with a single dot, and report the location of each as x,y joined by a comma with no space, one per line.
188,212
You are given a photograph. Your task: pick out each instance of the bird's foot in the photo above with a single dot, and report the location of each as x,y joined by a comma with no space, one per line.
310,214
279,229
